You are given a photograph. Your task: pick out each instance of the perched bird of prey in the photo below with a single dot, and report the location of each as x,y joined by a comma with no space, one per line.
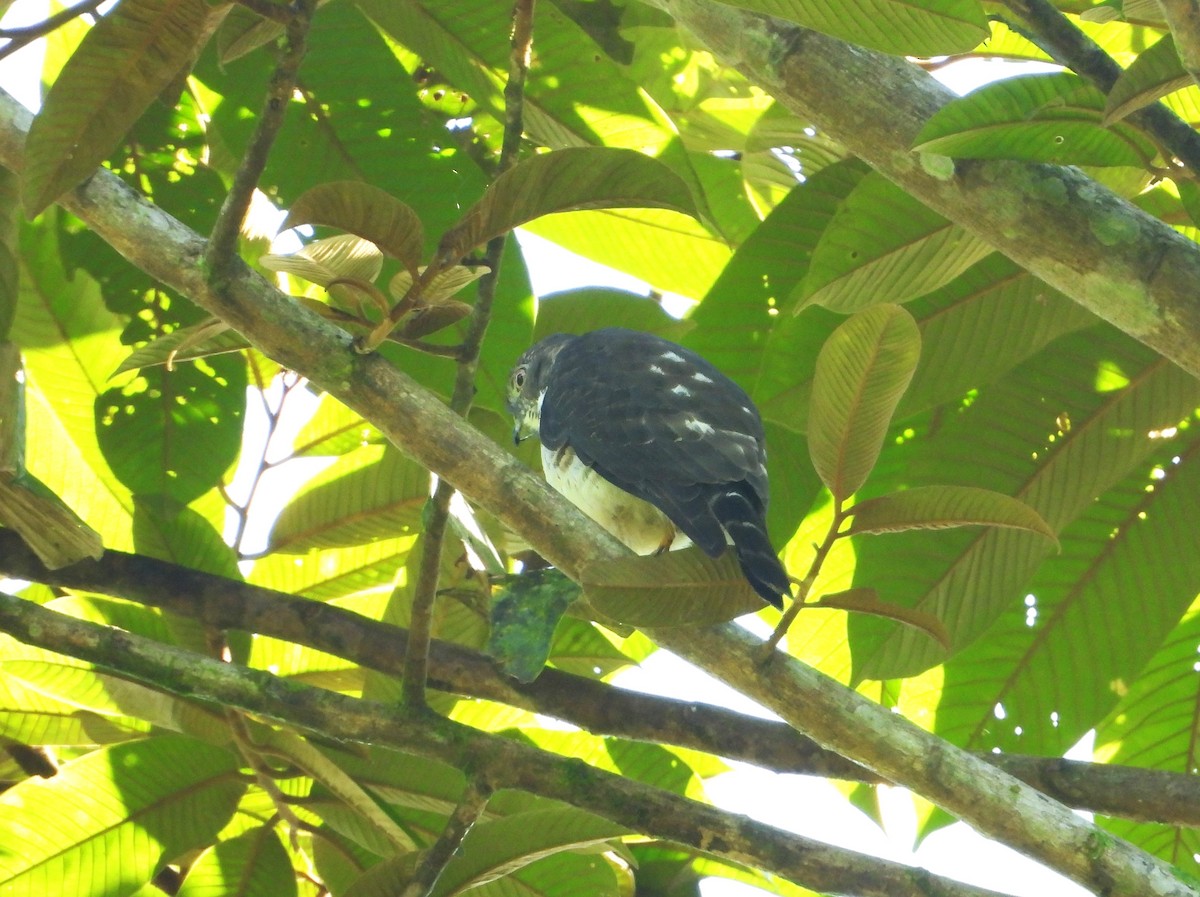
653,443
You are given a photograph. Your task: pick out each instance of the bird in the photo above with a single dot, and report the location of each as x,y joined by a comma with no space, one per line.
653,442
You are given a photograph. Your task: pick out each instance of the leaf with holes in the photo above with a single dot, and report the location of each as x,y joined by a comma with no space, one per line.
862,371
567,180
366,211
123,64
1054,118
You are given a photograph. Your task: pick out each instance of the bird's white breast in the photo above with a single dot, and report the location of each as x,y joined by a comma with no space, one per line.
637,523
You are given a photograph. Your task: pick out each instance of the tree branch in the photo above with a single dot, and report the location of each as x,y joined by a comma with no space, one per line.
413,419
502,763
222,243
470,807
1183,18
1128,267
1142,794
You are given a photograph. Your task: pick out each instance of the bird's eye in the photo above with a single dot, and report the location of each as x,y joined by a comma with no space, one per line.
519,378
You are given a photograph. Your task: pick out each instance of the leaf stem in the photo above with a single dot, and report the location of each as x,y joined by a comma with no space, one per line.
805,585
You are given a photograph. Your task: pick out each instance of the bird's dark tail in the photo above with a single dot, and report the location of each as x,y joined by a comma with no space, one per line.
745,521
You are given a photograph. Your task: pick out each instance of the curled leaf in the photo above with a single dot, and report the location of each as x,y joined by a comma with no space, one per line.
344,257
866,601
444,285
367,211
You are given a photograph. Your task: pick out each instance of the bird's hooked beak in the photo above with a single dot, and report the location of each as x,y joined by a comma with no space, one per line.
523,429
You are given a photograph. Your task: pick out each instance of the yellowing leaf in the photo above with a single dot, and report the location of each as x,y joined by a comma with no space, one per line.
862,371
124,62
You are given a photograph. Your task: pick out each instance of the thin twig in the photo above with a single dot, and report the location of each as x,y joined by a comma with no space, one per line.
416,660
466,814
263,774
222,242
27,34
1067,45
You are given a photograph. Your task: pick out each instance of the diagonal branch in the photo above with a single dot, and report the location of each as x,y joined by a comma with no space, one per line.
503,763
1124,265
836,717
1142,794
470,807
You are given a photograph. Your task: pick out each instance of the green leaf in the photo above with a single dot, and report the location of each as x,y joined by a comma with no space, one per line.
862,371
902,27
29,716
884,246
679,588
566,180
132,806
252,864
941,507
368,212
524,619
125,61
1035,118
175,432
333,429
1155,73
369,494
496,848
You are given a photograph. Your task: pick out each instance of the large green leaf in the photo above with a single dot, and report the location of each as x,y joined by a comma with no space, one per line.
497,848
29,716
252,864
862,371
884,246
1054,662
133,806
329,573
1056,433
903,27
1037,118
126,60
679,588
590,308
567,180
370,494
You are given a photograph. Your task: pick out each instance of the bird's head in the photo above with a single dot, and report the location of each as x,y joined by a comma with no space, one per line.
527,384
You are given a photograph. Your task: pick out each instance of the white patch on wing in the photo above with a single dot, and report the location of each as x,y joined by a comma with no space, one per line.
698,426
655,369
701,378
681,390
672,356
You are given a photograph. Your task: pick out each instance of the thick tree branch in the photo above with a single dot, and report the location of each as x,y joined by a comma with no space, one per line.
1129,268
499,761
833,715
1141,794
470,807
